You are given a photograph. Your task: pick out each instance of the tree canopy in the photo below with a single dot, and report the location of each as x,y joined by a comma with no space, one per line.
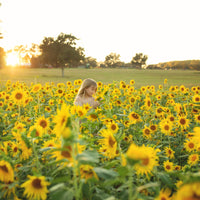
139,60
61,51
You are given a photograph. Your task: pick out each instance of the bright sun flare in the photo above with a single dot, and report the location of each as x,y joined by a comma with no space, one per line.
12,59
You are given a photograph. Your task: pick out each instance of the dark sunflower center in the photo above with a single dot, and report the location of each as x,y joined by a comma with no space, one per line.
113,127
18,96
168,167
194,157
93,116
36,183
191,145
182,121
15,149
166,127
67,153
111,142
4,168
135,116
43,123
147,131
145,161
153,127
197,99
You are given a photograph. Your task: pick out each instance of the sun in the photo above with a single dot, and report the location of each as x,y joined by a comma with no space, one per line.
12,59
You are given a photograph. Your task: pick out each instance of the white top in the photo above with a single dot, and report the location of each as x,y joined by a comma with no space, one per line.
79,101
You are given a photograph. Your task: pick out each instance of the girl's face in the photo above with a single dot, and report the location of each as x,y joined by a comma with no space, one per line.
90,91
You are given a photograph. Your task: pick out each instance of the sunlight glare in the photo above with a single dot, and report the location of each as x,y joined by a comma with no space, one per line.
12,59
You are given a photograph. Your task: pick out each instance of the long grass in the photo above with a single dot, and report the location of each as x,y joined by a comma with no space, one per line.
142,77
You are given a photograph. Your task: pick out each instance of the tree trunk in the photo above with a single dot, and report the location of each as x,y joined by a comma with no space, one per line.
62,71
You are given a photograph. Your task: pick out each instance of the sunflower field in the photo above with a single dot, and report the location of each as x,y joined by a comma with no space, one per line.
140,143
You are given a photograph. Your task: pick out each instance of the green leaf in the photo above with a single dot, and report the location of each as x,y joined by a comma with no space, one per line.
105,173
57,187
61,193
88,157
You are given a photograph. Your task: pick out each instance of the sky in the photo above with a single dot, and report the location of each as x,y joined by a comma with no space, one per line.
165,30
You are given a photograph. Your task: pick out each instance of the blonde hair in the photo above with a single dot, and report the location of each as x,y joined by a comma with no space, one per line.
86,84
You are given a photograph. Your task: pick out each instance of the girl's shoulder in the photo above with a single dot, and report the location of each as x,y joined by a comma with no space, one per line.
78,101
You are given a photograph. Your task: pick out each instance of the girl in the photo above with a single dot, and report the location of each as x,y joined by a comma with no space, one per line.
86,92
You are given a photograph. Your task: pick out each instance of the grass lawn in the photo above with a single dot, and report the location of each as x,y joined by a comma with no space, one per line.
141,77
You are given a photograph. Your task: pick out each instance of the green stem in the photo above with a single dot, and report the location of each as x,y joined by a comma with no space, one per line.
75,172
36,157
19,112
130,181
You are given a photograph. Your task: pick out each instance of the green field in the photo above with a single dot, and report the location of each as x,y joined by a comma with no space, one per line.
141,77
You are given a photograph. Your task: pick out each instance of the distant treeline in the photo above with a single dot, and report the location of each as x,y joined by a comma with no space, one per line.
186,64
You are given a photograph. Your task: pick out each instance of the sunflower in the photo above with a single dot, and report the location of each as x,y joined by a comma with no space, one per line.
61,119
108,143
169,152
134,117
49,143
145,155
153,128
165,127
165,194
81,111
18,96
193,159
188,191
93,117
19,127
183,122
132,82
1,104
43,123
25,151
15,149
8,191
36,88
113,127
148,103
69,83
177,167
6,172
59,92
159,111
35,187
168,166
87,172
190,145
64,153
146,132
51,102
196,98
197,118
182,89
38,131
165,81
132,99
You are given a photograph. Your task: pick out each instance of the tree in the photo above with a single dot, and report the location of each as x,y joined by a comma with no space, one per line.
61,52
112,60
139,60
2,57
92,62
